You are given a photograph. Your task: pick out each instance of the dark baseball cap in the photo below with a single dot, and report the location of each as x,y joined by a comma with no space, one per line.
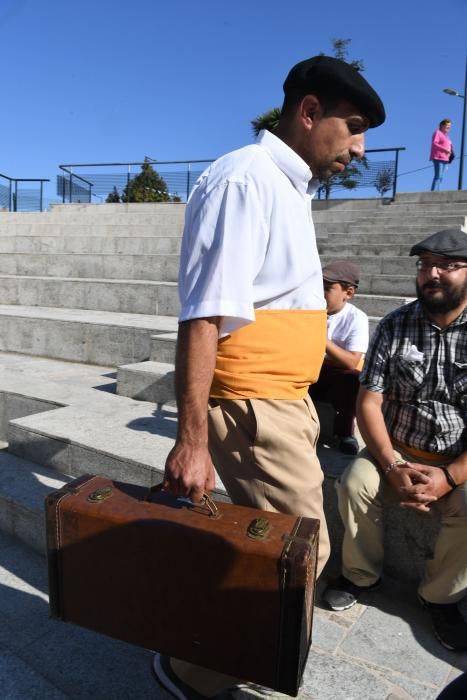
451,242
329,77
341,271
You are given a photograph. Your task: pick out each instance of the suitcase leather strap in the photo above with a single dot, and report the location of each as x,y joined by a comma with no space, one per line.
213,510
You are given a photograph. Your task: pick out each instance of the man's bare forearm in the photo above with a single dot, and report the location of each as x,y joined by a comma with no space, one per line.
372,426
194,370
189,470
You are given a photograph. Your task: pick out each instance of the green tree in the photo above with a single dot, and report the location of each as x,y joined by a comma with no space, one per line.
348,178
113,197
148,186
384,181
340,48
268,120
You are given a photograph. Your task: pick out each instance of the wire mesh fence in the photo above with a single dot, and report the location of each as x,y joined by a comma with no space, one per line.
112,182
376,175
21,194
123,182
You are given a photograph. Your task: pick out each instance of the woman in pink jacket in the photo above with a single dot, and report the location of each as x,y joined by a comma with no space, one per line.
441,148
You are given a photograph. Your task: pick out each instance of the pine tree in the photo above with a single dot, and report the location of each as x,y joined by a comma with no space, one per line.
113,197
148,186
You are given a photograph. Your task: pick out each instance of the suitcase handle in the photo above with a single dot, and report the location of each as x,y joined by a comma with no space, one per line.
213,510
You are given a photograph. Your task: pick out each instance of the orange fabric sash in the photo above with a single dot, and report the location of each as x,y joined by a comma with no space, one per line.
276,357
422,457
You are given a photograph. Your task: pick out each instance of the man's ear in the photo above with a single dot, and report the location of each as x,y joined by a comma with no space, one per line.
350,292
310,109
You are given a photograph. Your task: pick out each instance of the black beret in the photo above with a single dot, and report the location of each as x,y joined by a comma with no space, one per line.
451,243
329,77
341,271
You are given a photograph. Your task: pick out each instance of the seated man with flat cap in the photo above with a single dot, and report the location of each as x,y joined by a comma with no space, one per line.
411,411
346,344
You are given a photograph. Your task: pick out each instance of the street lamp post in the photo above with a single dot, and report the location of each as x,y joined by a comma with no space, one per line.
449,91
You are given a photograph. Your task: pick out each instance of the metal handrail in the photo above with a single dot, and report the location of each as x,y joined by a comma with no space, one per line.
137,162
14,195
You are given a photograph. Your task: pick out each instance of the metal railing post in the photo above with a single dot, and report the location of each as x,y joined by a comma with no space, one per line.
10,193
396,167
42,191
188,173
71,187
15,197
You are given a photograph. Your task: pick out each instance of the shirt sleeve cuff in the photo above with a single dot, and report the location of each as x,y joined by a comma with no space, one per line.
244,313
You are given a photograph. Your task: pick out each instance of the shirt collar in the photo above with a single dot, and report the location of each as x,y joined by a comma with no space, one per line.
289,162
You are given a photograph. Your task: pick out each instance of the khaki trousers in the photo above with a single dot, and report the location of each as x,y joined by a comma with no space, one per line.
362,492
264,451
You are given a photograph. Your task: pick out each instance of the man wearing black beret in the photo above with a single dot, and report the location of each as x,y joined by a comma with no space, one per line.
412,410
252,330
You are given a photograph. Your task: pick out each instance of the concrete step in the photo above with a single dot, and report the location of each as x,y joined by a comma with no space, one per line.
109,266
163,346
408,212
147,381
378,305
162,209
91,245
373,322
87,427
123,296
90,228
393,225
445,198
402,238
78,335
343,250
129,444
24,486
146,212
379,284
379,264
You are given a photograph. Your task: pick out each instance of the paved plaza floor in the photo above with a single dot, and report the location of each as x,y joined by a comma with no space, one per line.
381,649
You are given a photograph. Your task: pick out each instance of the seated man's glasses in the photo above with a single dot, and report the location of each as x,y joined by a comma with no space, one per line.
441,265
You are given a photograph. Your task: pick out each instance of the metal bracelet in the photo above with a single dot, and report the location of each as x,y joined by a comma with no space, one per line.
390,467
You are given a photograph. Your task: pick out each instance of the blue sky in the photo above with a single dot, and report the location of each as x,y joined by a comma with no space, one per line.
101,81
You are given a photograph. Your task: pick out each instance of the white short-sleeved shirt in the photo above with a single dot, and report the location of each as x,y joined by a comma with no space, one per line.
249,241
348,328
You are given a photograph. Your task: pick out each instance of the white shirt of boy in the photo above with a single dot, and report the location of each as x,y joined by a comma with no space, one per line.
349,328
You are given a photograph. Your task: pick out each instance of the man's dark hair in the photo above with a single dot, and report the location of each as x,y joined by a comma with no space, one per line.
329,103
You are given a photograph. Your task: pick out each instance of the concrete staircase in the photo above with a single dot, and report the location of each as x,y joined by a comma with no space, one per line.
86,289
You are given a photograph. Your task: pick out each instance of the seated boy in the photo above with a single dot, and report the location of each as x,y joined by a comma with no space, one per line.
345,347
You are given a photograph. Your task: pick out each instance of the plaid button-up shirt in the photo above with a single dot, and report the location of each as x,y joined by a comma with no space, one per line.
422,371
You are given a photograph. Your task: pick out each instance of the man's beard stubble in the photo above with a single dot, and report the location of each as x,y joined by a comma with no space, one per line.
451,299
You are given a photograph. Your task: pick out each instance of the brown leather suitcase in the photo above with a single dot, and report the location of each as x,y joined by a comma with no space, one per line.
218,589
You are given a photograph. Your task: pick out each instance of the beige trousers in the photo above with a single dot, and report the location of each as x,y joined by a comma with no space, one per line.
362,493
264,451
